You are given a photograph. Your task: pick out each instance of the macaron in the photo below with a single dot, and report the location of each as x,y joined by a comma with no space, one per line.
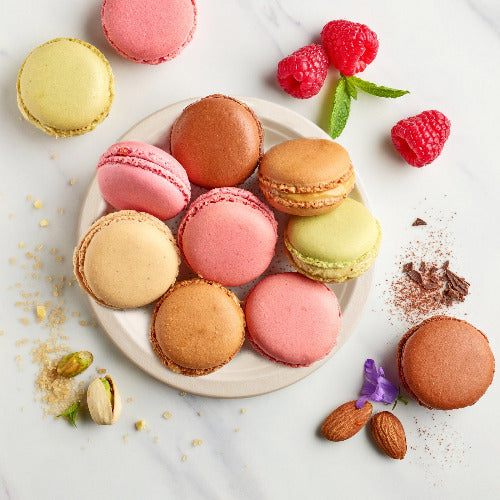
218,140
306,176
65,87
445,363
197,327
138,176
127,259
148,31
336,246
291,319
228,235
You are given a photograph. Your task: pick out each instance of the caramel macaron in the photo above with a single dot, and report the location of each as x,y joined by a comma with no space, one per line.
197,327
127,259
218,140
445,363
306,176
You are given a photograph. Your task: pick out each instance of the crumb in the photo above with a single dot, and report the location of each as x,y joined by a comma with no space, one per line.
39,247
237,430
72,181
29,197
53,156
2,332
25,321
140,425
167,415
11,215
37,204
101,371
52,251
184,458
44,223
21,244
200,413
197,442
12,260
60,211
243,410
129,400
59,258
83,323
75,313
182,393
156,439
41,313
125,437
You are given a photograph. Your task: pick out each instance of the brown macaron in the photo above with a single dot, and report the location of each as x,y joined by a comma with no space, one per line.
197,327
445,363
126,259
218,140
306,176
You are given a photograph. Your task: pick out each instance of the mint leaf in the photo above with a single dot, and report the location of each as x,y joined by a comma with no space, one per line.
340,109
399,398
71,413
351,88
378,90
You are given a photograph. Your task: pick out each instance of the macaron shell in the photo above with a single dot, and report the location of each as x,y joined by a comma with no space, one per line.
336,246
228,235
197,327
65,87
445,363
139,176
291,319
149,31
218,140
127,259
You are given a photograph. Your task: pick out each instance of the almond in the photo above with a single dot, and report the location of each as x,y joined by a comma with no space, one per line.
346,421
389,434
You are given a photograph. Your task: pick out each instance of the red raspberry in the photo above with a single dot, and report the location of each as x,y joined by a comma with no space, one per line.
350,46
302,74
420,139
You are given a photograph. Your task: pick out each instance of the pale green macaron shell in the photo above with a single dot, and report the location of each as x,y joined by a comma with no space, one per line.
65,87
336,246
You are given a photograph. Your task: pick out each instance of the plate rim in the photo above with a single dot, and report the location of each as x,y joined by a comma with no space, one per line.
201,386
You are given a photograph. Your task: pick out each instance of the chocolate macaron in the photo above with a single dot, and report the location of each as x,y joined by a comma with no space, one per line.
218,140
306,176
197,327
445,363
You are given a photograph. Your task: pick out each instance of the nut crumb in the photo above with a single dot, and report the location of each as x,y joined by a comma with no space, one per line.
37,204
182,393
25,321
44,223
200,413
72,181
237,430
53,156
125,437
41,313
21,244
197,442
184,458
167,415
243,410
129,400
156,439
101,371
60,211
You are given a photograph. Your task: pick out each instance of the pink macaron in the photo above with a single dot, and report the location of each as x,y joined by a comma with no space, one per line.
138,176
291,319
228,235
149,31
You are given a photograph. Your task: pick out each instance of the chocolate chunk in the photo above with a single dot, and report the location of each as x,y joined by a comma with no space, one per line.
457,283
415,276
408,267
446,264
453,295
422,267
419,222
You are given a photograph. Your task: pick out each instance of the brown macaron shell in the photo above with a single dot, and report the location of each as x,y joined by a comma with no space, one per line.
445,363
126,259
306,176
218,140
197,327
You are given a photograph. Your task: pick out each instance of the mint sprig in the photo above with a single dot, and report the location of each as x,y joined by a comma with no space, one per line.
340,109
347,88
399,398
71,413
377,90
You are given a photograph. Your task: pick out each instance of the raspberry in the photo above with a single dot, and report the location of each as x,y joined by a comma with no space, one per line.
303,73
350,46
420,139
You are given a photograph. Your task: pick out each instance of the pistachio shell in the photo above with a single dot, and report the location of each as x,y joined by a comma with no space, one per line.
102,411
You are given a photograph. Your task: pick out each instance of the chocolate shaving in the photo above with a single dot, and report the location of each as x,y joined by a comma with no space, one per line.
408,267
434,279
451,294
431,286
419,222
446,264
433,269
422,267
415,276
456,283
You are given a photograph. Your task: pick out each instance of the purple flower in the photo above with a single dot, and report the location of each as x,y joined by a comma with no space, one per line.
376,386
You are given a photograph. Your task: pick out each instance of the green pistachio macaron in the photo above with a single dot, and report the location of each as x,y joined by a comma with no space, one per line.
65,87
336,246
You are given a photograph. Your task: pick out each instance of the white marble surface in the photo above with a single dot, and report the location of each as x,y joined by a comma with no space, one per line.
446,53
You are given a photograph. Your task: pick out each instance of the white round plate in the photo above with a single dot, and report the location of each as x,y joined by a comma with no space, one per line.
248,374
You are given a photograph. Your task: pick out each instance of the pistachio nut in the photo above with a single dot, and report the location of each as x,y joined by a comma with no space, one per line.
75,363
104,401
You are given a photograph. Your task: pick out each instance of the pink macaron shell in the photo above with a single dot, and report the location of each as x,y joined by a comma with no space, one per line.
138,176
149,31
292,320
228,235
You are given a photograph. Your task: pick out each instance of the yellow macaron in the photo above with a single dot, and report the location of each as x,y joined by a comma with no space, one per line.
65,87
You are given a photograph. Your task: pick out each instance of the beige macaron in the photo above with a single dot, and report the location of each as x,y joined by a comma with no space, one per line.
127,259
197,327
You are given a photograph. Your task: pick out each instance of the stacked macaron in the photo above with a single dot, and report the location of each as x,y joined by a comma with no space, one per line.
227,237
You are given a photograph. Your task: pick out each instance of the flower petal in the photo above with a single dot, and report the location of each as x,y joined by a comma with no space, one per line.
361,402
371,371
388,389
368,387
